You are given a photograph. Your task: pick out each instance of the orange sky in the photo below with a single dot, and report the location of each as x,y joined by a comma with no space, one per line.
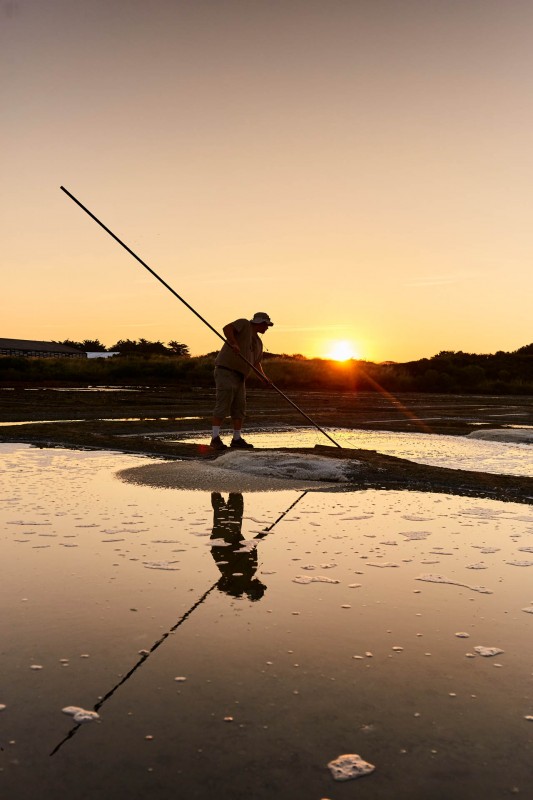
360,170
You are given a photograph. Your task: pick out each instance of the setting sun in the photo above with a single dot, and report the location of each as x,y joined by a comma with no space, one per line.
342,351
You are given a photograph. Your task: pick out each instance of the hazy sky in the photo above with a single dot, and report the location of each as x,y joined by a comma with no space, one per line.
360,170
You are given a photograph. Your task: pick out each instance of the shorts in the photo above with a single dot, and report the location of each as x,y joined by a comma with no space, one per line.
230,394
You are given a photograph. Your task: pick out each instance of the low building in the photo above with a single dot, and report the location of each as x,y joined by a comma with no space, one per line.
32,349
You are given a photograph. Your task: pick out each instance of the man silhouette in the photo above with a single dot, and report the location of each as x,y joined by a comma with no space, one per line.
231,372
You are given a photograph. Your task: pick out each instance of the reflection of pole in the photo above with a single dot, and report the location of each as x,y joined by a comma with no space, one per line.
185,303
267,530
142,659
160,641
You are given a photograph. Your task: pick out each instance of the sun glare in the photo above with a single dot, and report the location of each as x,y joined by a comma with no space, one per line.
342,351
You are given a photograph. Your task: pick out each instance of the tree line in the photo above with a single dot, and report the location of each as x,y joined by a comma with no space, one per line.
126,347
448,372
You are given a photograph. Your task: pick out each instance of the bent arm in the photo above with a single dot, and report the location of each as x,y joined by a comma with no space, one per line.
229,333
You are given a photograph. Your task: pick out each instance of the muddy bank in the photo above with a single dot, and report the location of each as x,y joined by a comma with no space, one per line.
371,470
138,420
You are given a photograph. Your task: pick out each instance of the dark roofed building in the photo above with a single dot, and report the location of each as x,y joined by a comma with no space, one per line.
29,348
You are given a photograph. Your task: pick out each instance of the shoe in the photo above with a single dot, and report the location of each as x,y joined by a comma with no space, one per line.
241,444
217,444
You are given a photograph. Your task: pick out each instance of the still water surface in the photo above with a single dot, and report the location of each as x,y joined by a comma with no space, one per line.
115,590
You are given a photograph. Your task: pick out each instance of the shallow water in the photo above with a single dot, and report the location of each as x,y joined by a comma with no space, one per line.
180,617
455,452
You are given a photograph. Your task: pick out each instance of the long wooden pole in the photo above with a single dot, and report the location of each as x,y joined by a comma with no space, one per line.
185,303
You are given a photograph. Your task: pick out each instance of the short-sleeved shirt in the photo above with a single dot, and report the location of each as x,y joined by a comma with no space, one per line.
250,346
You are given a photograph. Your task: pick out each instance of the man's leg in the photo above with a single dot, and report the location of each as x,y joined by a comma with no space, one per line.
238,410
224,394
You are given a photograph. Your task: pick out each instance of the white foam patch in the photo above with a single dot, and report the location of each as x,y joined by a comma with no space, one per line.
515,435
287,466
313,579
520,563
81,715
349,766
244,472
247,546
487,652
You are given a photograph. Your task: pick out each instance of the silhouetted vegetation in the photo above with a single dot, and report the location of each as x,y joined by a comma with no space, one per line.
142,363
127,347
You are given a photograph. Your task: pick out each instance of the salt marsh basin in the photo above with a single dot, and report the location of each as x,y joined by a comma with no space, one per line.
117,589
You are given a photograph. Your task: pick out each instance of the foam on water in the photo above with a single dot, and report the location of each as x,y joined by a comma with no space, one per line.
349,766
487,652
81,715
520,435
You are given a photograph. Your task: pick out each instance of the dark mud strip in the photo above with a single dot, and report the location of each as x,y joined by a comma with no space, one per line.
164,407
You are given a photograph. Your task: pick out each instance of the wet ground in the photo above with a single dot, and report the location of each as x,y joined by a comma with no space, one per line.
236,638
234,644
116,410
173,423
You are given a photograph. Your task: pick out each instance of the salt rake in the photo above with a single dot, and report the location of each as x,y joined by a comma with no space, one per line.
185,303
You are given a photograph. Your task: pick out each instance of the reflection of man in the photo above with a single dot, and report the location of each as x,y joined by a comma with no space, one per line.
237,566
